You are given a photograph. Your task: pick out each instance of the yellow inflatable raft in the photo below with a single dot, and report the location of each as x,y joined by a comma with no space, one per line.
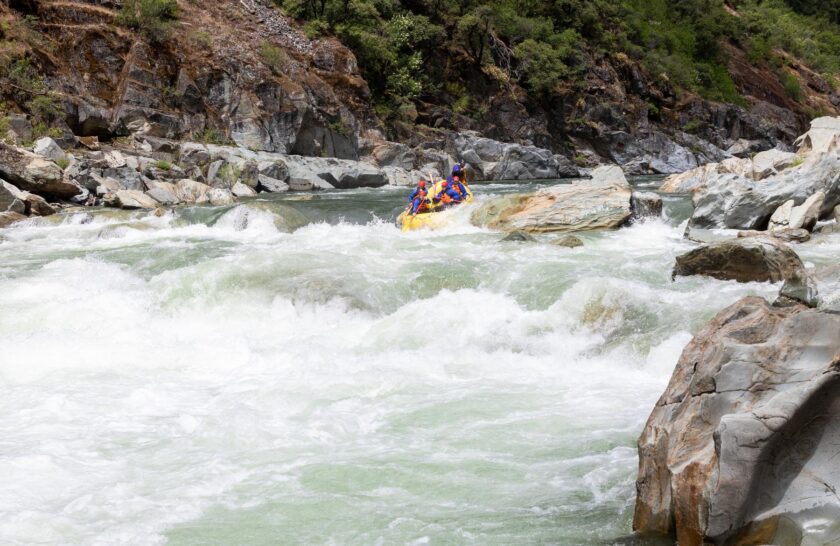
434,216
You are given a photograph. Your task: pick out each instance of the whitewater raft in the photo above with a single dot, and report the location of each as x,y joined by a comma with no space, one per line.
434,216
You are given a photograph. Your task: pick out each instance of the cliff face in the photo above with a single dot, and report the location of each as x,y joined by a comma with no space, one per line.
241,72
235,71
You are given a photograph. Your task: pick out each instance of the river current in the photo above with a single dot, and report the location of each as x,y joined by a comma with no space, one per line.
295,370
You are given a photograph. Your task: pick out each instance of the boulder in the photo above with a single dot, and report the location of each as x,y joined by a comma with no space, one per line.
600,203
823,137
8,218
800,289
33,173
732,201
645,204
787,235
11,199
754,259
134,199
518,237
780,219
46,178
107,185
266,183
741,447
697,179
568,241
770,162
241,190
37,205
48,148
164,193
805,216
190,191
220,196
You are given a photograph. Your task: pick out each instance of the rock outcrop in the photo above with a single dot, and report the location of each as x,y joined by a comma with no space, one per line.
741,448
763,191
755,259
600,203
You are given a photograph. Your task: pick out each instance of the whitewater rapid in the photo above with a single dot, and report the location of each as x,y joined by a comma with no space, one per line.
298,371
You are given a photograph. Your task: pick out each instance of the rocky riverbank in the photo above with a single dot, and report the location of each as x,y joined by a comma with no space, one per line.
739,449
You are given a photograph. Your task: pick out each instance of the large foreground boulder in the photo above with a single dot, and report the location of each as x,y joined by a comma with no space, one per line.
600,203
741,448
754,259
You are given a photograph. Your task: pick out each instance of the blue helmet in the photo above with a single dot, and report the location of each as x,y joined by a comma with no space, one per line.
456,169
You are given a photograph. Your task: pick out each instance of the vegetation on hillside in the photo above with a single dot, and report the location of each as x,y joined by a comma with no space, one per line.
409,50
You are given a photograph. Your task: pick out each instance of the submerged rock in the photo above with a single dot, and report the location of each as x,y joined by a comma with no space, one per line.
519,237
8,218
568,241
645,204
741,447
600,203
743,260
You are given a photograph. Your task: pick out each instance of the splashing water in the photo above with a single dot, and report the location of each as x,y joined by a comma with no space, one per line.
301,372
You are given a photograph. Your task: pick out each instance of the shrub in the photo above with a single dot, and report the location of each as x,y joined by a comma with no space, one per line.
153,18
62,163
791,85
163,165
274,57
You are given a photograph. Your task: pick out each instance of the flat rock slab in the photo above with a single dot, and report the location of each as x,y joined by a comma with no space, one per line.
600,203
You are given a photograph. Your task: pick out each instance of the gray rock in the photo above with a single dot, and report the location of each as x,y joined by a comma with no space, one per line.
492,160
8,218
134,199
780,219
823,137
784,234
190,191
11,199
801,288
733,201
746,432
805,216
37,205
266,183
48,148
837,214
743,260
241,190
600,203
568,241
770,162
164,193
220,196
518,237
645,204
213,171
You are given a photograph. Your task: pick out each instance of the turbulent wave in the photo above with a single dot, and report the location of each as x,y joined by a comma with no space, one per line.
210,375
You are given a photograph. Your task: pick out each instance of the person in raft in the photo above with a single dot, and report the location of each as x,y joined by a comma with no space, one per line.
418,198
459,170
448,195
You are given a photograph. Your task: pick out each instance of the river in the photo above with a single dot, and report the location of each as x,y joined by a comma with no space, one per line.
296,370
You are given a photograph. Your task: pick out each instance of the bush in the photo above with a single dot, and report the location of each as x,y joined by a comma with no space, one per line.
791,85
274,57
163,165
153,18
